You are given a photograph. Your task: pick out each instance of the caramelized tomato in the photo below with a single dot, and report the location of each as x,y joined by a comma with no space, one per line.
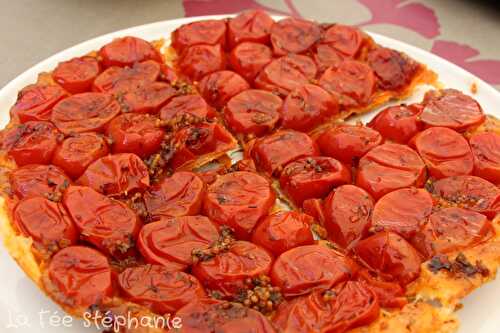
200,32
344,39
33,142
147,97
402,211
159,289
78,151
445,152
312,177
126,51
188,107
291,35
227,271
250,26
37,180
218,88
116,174
248,59
389,167
135,133
308,107
108,224
348,143
118,80
306,268
35,102
178,195
486,150
253,112
273,152
398,123
347,213
238,200
389,294
199,60
170,242
388,253
77,75
282,231
327,56
394,70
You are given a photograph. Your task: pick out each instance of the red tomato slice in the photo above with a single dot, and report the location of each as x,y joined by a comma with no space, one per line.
390,167
213,316
402,211
253,112
78,151
250,26
312,177
353,83
469,192
348,143
282,231
116,174
347,212
248,59
159,289
199,60
314,208
188,108
118,81
46,222
37,180
292,35
398,123
273,152
178,195
227,271
285,74
84,112
445,152
389,294
452,229
450,108
218,88
239,200
171,241
35,102
126,51
394,70
303,269
147,98
79,277
486,150
307,107
108,224
327,56
388,253
33,142
343,38
77,75
135,133
200,32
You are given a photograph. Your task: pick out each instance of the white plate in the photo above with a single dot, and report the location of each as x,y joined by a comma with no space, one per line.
23,308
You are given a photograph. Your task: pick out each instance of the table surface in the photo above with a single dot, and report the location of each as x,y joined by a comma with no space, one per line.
461,31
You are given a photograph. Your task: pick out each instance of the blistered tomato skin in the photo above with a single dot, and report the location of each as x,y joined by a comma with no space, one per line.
116,174
249,26
348,143
398,123
146,98
394,70
37,180
273,152
77,75
35,102
402,211
187,107
158,288
178,195
33,142
79,276
486,150
388,253
239,200
445,152
78,151
293,35
303,269
282,231
227,272
312,177
209,32
108,224
307,107
347,214
126,51
344,39
248,59
217,88
170,242
199,60
118,80
135,133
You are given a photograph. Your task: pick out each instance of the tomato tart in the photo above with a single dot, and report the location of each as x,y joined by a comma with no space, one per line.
214,179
